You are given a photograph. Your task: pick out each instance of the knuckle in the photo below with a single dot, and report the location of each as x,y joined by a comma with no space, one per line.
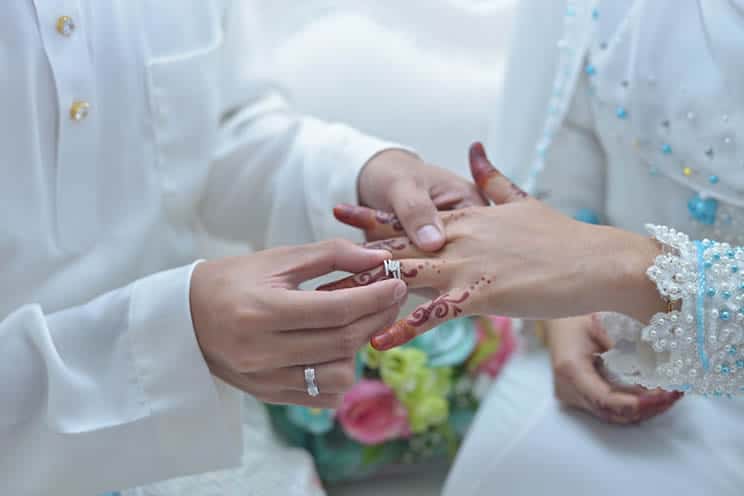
346,376
349,343
340,313
564,370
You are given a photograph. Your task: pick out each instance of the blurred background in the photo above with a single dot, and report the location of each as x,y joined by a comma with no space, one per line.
425,73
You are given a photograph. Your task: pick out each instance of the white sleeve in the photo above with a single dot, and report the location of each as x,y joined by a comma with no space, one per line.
700,347
111,394
276,174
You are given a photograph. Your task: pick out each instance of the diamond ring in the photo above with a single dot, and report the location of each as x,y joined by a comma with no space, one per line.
312,386
392,268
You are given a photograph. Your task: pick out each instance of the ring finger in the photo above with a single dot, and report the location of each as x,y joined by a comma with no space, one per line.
330,378
416,273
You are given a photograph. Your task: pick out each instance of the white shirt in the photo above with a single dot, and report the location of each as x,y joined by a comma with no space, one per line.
103,384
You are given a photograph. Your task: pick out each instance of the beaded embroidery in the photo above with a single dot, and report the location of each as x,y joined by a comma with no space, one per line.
698,348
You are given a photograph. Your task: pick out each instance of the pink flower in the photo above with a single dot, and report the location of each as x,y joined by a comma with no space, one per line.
501,332
371,414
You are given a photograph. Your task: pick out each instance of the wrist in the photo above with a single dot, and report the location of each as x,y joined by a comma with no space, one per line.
626,287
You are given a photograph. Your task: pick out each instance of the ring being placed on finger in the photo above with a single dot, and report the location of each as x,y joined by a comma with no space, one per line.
392,268
312,386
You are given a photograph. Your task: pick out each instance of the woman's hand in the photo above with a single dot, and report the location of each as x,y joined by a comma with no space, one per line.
581,381
258,332
520,259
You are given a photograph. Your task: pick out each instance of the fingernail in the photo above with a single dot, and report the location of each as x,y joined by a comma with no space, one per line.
382,342
400,291
429,234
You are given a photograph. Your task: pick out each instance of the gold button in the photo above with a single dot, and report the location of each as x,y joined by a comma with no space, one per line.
79,110
65,26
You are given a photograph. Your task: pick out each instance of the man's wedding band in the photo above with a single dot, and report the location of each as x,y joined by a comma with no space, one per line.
312,386
392,267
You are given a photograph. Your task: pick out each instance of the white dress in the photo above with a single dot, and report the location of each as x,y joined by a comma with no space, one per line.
631,113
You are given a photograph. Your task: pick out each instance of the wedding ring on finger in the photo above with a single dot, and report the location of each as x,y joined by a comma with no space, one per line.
312,386
392,268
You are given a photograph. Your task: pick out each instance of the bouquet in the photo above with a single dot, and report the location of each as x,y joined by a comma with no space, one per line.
411,405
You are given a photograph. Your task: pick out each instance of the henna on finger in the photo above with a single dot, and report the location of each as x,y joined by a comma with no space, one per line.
490,180
391,245
370,277
445,307
376,223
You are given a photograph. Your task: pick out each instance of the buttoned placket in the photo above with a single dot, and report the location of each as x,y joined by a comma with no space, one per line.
65,39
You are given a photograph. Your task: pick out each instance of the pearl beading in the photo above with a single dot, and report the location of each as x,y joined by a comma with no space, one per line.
699,348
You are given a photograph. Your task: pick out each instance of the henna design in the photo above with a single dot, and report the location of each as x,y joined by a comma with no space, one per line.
366,218
483,171
365,279
394,244
392,220
404,331
439,308
369,277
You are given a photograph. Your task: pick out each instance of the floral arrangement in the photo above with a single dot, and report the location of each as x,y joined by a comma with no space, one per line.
411,404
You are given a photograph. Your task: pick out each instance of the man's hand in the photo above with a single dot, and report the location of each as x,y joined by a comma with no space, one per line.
580,380
258,332
399,182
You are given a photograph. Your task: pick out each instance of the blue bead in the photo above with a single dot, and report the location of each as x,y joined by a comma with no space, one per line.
666,149
590,70
711,292
716,257
621,113
734,269
740,364
726,295
707,264
703,210
724,315
741,310
595,14
732,351
713,179
587,216
730,254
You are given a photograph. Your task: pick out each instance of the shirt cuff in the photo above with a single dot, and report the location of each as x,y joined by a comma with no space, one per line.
332,176
198,425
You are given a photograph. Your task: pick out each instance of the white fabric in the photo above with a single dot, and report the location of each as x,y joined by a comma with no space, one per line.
267,467
104,386
558,130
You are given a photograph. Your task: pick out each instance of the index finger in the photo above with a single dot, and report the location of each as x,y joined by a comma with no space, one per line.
376,224
321,309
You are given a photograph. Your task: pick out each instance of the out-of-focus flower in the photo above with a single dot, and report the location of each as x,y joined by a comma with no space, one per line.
372,414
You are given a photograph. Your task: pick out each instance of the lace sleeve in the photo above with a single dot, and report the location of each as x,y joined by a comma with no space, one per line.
695,349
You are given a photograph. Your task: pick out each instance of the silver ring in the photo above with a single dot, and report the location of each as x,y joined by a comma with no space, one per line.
312,386
392,267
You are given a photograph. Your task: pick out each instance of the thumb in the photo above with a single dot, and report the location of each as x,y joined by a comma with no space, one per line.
497,187
451,305
599,334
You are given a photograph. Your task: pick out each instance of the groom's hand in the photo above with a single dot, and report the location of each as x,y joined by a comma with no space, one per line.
258,331
400,182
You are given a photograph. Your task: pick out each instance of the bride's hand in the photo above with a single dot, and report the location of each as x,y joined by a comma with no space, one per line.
581,380
520,259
